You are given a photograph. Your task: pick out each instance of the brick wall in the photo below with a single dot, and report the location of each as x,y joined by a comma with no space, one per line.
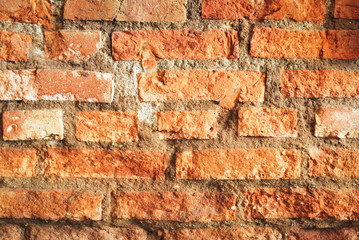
179,119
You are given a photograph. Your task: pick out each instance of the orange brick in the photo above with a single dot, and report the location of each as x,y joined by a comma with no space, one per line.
348,9
228,87
166,206
50,204
302,203
17,162
17,85
107,126
187,125
267,122
238,164
327,234
102,163
14,46
10,232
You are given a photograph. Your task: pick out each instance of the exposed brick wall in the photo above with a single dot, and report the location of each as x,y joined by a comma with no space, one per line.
179,119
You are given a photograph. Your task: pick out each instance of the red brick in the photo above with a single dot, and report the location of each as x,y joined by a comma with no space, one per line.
14,46
336,122
71,45
33,124
279,43
249,233
267,122
333,162
348,9
102,163
17,85
302,203
238,164
17,162
325,234
187,125
50,204
30,11
228,87
100,233
299,10
107,126
171,206
10,232
320,83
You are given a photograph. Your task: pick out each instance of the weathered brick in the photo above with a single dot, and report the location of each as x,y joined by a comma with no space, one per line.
238,164
14,46
31,11
50,204
228,87
17,162
100,233
33,124
319,83
348,9
302,10
222,234
327,234
302,203
17,85
333,162
279,43
102,163
107,126
10,232
71,45
187,125
152,11
267,122
171,206
336,122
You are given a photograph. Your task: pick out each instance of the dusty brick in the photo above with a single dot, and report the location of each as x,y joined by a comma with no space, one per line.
279,43
228,87
101,233
166,206
10,232
85,86
319,83
267,122
17,162
238,164
327,234
71,45
102,163
334,162
14,46
33,124
336,122
187,125
50,205
302,10
348,9
17,85
31,11
302,203
107,126
152,11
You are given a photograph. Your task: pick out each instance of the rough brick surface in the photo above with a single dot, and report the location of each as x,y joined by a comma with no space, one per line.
337,122
302,203
334,162
327,234
238,164
14,46
10,232
267,122
17,162
107,126
103,233
319,83
17,85
71,45
299,10
50,204
188,125
348,9
101,163
31,11
33,124
170,206
228,87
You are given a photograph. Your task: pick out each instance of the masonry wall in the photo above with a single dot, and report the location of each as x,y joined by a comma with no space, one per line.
179,119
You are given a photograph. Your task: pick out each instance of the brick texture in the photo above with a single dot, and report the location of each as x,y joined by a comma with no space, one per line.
14,46
17,162
10,232
17,85
327,234
348,9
